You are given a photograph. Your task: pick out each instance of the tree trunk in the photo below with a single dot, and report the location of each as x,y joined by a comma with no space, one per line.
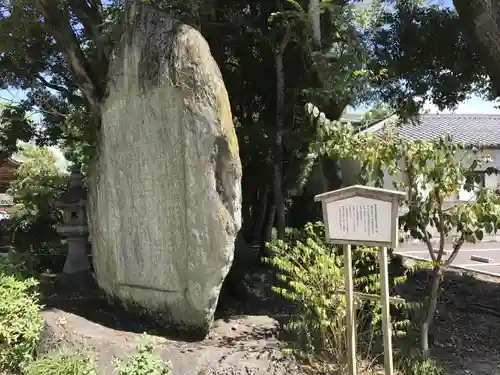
89,76
259,218
248,205
315,16
431,311
278,200
481,20
268,225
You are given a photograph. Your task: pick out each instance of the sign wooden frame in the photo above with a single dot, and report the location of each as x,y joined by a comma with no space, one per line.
391,240
372,193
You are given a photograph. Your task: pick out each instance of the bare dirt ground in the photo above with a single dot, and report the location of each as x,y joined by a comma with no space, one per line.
466,337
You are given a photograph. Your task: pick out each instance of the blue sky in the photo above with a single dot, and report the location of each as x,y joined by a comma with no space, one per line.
10,95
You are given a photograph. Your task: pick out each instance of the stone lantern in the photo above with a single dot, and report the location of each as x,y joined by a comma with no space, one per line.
74,226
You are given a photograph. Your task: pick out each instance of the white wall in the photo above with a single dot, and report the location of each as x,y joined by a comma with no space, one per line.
491,181
350,171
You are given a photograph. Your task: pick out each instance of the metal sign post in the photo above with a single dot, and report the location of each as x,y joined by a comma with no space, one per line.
366,216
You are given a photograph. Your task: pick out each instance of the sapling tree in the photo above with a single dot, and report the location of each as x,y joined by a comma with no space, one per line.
37,183
432,173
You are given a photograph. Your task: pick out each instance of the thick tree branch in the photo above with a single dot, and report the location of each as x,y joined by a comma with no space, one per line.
90,17
57,20
315,18
456,249
89,13
284,41
412,191
53,86
428,243
441,223
481,19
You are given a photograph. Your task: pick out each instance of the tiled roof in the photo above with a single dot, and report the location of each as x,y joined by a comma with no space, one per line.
469,129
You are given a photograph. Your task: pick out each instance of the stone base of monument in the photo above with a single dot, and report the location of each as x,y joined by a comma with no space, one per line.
236,346
159,318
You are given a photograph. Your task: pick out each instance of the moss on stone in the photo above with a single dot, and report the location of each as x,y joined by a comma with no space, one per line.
221,217
226,122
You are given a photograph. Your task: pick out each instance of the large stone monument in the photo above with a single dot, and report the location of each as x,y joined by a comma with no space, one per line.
165,191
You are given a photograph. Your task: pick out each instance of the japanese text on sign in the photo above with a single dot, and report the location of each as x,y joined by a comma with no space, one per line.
359,218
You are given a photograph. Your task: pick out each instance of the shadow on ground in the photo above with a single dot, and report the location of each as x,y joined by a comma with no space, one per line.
80,295
466,333
243,339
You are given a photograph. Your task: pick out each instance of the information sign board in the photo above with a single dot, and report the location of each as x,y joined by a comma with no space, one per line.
359,219
362,215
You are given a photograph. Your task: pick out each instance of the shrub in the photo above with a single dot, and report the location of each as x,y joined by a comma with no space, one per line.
312,276
410,366
62,363
16,264
32,226
20,321
143,362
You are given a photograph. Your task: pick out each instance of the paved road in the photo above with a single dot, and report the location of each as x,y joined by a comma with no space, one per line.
488,251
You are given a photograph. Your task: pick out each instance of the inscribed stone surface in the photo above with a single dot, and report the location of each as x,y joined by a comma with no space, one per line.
165,191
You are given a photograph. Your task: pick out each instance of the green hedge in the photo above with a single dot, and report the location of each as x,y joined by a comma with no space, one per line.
20,321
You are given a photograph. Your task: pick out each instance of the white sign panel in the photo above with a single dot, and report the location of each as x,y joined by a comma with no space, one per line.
359,219
6,200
